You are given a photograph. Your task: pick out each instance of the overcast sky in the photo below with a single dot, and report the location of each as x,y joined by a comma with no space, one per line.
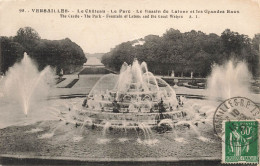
99,35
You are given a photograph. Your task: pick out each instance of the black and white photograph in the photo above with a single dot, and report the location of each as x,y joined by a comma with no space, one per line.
129,82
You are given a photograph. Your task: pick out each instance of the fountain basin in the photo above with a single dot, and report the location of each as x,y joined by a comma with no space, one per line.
126,120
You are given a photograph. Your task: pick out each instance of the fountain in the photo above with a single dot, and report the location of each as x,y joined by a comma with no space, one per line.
134,99
229,80
132,110
25,84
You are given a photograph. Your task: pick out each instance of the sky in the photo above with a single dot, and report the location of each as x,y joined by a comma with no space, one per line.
100,35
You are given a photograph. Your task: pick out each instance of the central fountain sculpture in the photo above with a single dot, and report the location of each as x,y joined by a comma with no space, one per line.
131,99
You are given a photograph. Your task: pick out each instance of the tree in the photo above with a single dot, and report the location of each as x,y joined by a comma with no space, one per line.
255,61
187,52
11,52
234,42
256,42
61,54
27,37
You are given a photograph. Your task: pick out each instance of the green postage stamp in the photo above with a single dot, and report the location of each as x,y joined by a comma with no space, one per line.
241,142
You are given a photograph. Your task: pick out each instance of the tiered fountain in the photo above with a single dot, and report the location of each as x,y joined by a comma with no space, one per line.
133,99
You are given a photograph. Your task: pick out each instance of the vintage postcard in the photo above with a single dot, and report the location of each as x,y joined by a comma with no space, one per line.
129,82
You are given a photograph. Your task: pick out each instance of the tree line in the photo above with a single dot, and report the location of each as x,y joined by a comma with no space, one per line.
187,52
60,54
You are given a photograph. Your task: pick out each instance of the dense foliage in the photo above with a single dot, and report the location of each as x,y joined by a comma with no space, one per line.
186,52
61,54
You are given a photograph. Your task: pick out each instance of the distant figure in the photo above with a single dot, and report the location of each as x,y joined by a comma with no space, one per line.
78,76
61,73
84,102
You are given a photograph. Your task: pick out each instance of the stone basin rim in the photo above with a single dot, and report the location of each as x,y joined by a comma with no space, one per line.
144,159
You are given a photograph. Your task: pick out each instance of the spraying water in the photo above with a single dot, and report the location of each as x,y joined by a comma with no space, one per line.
229,80
25,84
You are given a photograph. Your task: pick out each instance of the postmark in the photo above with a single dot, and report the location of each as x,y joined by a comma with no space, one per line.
236,108
236,123
237,147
